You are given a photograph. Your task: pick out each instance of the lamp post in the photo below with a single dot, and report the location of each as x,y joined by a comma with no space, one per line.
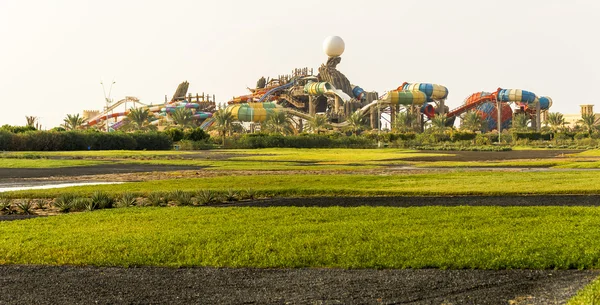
107,99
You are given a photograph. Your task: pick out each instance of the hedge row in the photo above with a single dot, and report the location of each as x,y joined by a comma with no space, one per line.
83,140
261,140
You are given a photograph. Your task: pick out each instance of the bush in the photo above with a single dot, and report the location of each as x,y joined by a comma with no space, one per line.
152,141
17,129
6,139
82,140
102,200
195,134
532,136
262,140
176,134
195,145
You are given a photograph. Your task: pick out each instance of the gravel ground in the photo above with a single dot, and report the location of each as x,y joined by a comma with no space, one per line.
87,285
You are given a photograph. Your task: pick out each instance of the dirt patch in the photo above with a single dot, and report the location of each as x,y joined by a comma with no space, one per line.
100,169
75,285
418,201
492,155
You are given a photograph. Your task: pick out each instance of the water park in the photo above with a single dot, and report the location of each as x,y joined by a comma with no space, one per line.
304,95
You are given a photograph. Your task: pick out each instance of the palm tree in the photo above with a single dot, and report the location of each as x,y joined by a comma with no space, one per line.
318,123
279,122
183,117
589,122
471,121
32,121
139,119
404,121
72,122
556,120
223,122
520,122
355,122
438,123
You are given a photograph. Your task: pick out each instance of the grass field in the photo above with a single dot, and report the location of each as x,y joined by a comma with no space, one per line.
446,183
588,295
365,237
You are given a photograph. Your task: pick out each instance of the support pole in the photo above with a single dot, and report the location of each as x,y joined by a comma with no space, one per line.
499,109
336,107
312,109
373,115
538,117
393,109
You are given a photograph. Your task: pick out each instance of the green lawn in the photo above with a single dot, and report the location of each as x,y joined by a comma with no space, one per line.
588,295
365,237
445,183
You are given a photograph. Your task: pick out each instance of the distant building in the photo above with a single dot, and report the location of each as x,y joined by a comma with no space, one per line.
572,119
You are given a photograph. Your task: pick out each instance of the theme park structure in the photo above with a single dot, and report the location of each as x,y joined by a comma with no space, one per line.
201,107
303,95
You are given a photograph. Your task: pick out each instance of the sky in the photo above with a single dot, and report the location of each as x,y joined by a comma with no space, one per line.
54,54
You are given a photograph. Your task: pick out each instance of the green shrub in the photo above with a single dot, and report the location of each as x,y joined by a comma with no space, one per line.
39,204
195,134
231,195
195,145
102,200
176,134
5,206
182,198
334,140
6,139
64,202
152,141
82,204
126,200
248,193
155,198
206,197
26,206
17,129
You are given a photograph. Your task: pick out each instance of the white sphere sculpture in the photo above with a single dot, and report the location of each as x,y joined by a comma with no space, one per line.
334,46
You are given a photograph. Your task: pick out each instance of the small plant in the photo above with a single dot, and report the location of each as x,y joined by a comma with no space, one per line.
39,204
26,206
206,197
5,206
155,199
249,193
64,202
182,198
231,195
80,203
90,205
127,199
102,200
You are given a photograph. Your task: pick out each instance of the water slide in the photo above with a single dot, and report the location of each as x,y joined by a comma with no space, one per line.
325,88
153,109
276,89
484,103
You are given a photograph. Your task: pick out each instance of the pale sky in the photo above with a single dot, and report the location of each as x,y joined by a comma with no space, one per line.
53,54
